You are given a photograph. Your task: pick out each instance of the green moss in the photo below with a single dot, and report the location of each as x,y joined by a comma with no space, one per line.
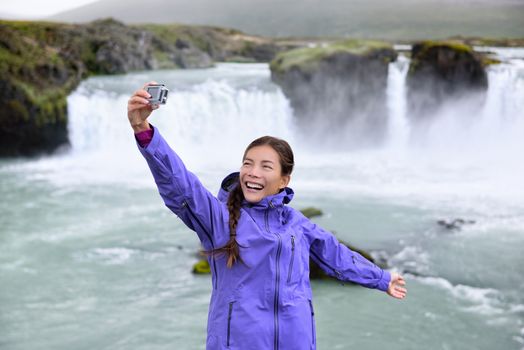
247,48
164,60
311,212
308,58
167,33
240,59
201,267
425,47
454,45
18,110
488,61
50,104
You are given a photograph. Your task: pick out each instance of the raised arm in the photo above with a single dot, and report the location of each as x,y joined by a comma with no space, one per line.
180,189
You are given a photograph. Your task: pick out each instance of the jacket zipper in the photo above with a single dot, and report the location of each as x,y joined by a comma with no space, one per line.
337,273
292,258
229,322
312,321
277,277
184,204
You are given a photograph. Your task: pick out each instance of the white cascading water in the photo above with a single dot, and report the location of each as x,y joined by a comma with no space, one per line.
211,117
208,121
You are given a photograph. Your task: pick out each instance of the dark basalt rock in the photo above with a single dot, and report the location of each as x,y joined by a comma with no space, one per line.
338,88
443,71
455,224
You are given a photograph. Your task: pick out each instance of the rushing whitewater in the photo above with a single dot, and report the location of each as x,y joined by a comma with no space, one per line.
104,265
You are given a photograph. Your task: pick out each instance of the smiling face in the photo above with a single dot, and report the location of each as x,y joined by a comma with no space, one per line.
261,174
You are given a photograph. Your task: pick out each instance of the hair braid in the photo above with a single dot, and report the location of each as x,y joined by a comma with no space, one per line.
234,203
231,248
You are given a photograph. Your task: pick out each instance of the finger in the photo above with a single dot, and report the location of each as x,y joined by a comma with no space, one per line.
150,83
142,93
401,290
138,99
399,295
397,278
136,105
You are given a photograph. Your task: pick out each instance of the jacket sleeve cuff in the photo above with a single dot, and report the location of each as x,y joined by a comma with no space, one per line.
144,137
150,148
383,284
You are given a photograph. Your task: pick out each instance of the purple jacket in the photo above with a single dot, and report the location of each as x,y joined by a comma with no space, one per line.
265,303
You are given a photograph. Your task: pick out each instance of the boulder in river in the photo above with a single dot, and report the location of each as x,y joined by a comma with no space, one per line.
310,212
455,224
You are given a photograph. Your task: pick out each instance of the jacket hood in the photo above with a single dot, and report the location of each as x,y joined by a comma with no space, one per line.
231,181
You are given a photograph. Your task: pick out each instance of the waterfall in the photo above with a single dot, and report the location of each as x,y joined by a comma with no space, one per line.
212,114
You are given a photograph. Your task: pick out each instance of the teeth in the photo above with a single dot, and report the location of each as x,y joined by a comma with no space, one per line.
254,186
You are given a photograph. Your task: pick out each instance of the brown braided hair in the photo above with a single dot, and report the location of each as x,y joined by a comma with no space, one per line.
236,196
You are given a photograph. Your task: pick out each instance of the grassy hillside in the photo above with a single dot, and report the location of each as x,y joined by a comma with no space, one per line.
381,19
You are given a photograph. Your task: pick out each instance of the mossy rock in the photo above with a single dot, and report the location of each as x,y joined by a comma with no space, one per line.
33,87
425,51
442,72
337,87
201,267
308,58
310,212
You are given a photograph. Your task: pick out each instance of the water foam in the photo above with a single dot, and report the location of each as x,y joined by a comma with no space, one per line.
484,301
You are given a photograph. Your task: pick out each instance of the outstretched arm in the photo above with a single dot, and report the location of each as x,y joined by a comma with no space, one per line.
339,261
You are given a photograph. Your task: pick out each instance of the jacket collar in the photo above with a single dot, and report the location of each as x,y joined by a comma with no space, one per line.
274,201
277,200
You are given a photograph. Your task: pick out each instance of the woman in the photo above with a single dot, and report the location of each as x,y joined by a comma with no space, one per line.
258,247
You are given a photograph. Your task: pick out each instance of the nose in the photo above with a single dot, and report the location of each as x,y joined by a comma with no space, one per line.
254,172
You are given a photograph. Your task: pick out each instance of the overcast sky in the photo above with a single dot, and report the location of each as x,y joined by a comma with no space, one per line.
38,8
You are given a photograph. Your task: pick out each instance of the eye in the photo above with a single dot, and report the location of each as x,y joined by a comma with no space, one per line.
268,167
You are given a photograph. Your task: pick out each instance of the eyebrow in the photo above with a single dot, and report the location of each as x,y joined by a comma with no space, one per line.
264,161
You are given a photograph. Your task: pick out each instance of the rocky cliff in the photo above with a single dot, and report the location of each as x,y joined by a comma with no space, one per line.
338,88
42,62
442,71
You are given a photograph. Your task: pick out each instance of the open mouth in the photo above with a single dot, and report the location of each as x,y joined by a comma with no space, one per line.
254,186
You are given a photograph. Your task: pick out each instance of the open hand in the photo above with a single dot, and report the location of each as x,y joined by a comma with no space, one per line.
396,286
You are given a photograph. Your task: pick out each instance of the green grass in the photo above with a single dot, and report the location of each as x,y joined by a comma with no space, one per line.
308,58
